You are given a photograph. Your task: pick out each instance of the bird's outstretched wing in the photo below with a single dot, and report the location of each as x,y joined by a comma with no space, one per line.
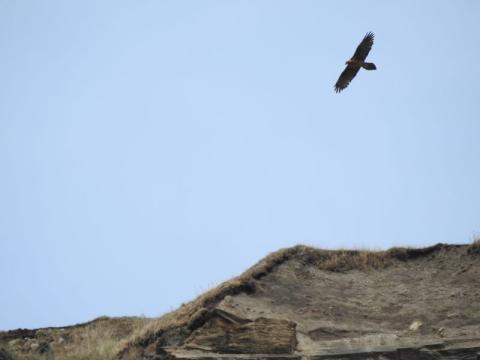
345,77
364,47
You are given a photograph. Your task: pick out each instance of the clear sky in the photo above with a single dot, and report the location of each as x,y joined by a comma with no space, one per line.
151,149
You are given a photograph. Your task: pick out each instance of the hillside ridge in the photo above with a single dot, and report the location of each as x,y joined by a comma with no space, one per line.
313,300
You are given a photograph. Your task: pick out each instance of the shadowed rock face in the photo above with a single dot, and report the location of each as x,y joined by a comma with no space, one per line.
314,304
226,333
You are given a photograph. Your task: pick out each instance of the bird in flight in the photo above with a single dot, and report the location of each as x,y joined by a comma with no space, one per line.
356,62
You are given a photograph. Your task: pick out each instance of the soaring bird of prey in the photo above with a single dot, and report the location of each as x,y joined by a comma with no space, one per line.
356,62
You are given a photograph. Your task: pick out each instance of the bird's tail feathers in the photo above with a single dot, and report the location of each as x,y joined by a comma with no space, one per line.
369,66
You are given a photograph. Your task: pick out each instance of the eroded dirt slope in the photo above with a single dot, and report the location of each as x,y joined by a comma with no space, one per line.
439,293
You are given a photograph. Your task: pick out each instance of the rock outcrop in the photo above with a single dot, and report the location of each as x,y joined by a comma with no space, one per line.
309,303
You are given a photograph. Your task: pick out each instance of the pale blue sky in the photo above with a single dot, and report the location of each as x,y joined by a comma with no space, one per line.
151,149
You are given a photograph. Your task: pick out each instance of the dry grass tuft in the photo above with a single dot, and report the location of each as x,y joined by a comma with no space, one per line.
362,260
474,247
